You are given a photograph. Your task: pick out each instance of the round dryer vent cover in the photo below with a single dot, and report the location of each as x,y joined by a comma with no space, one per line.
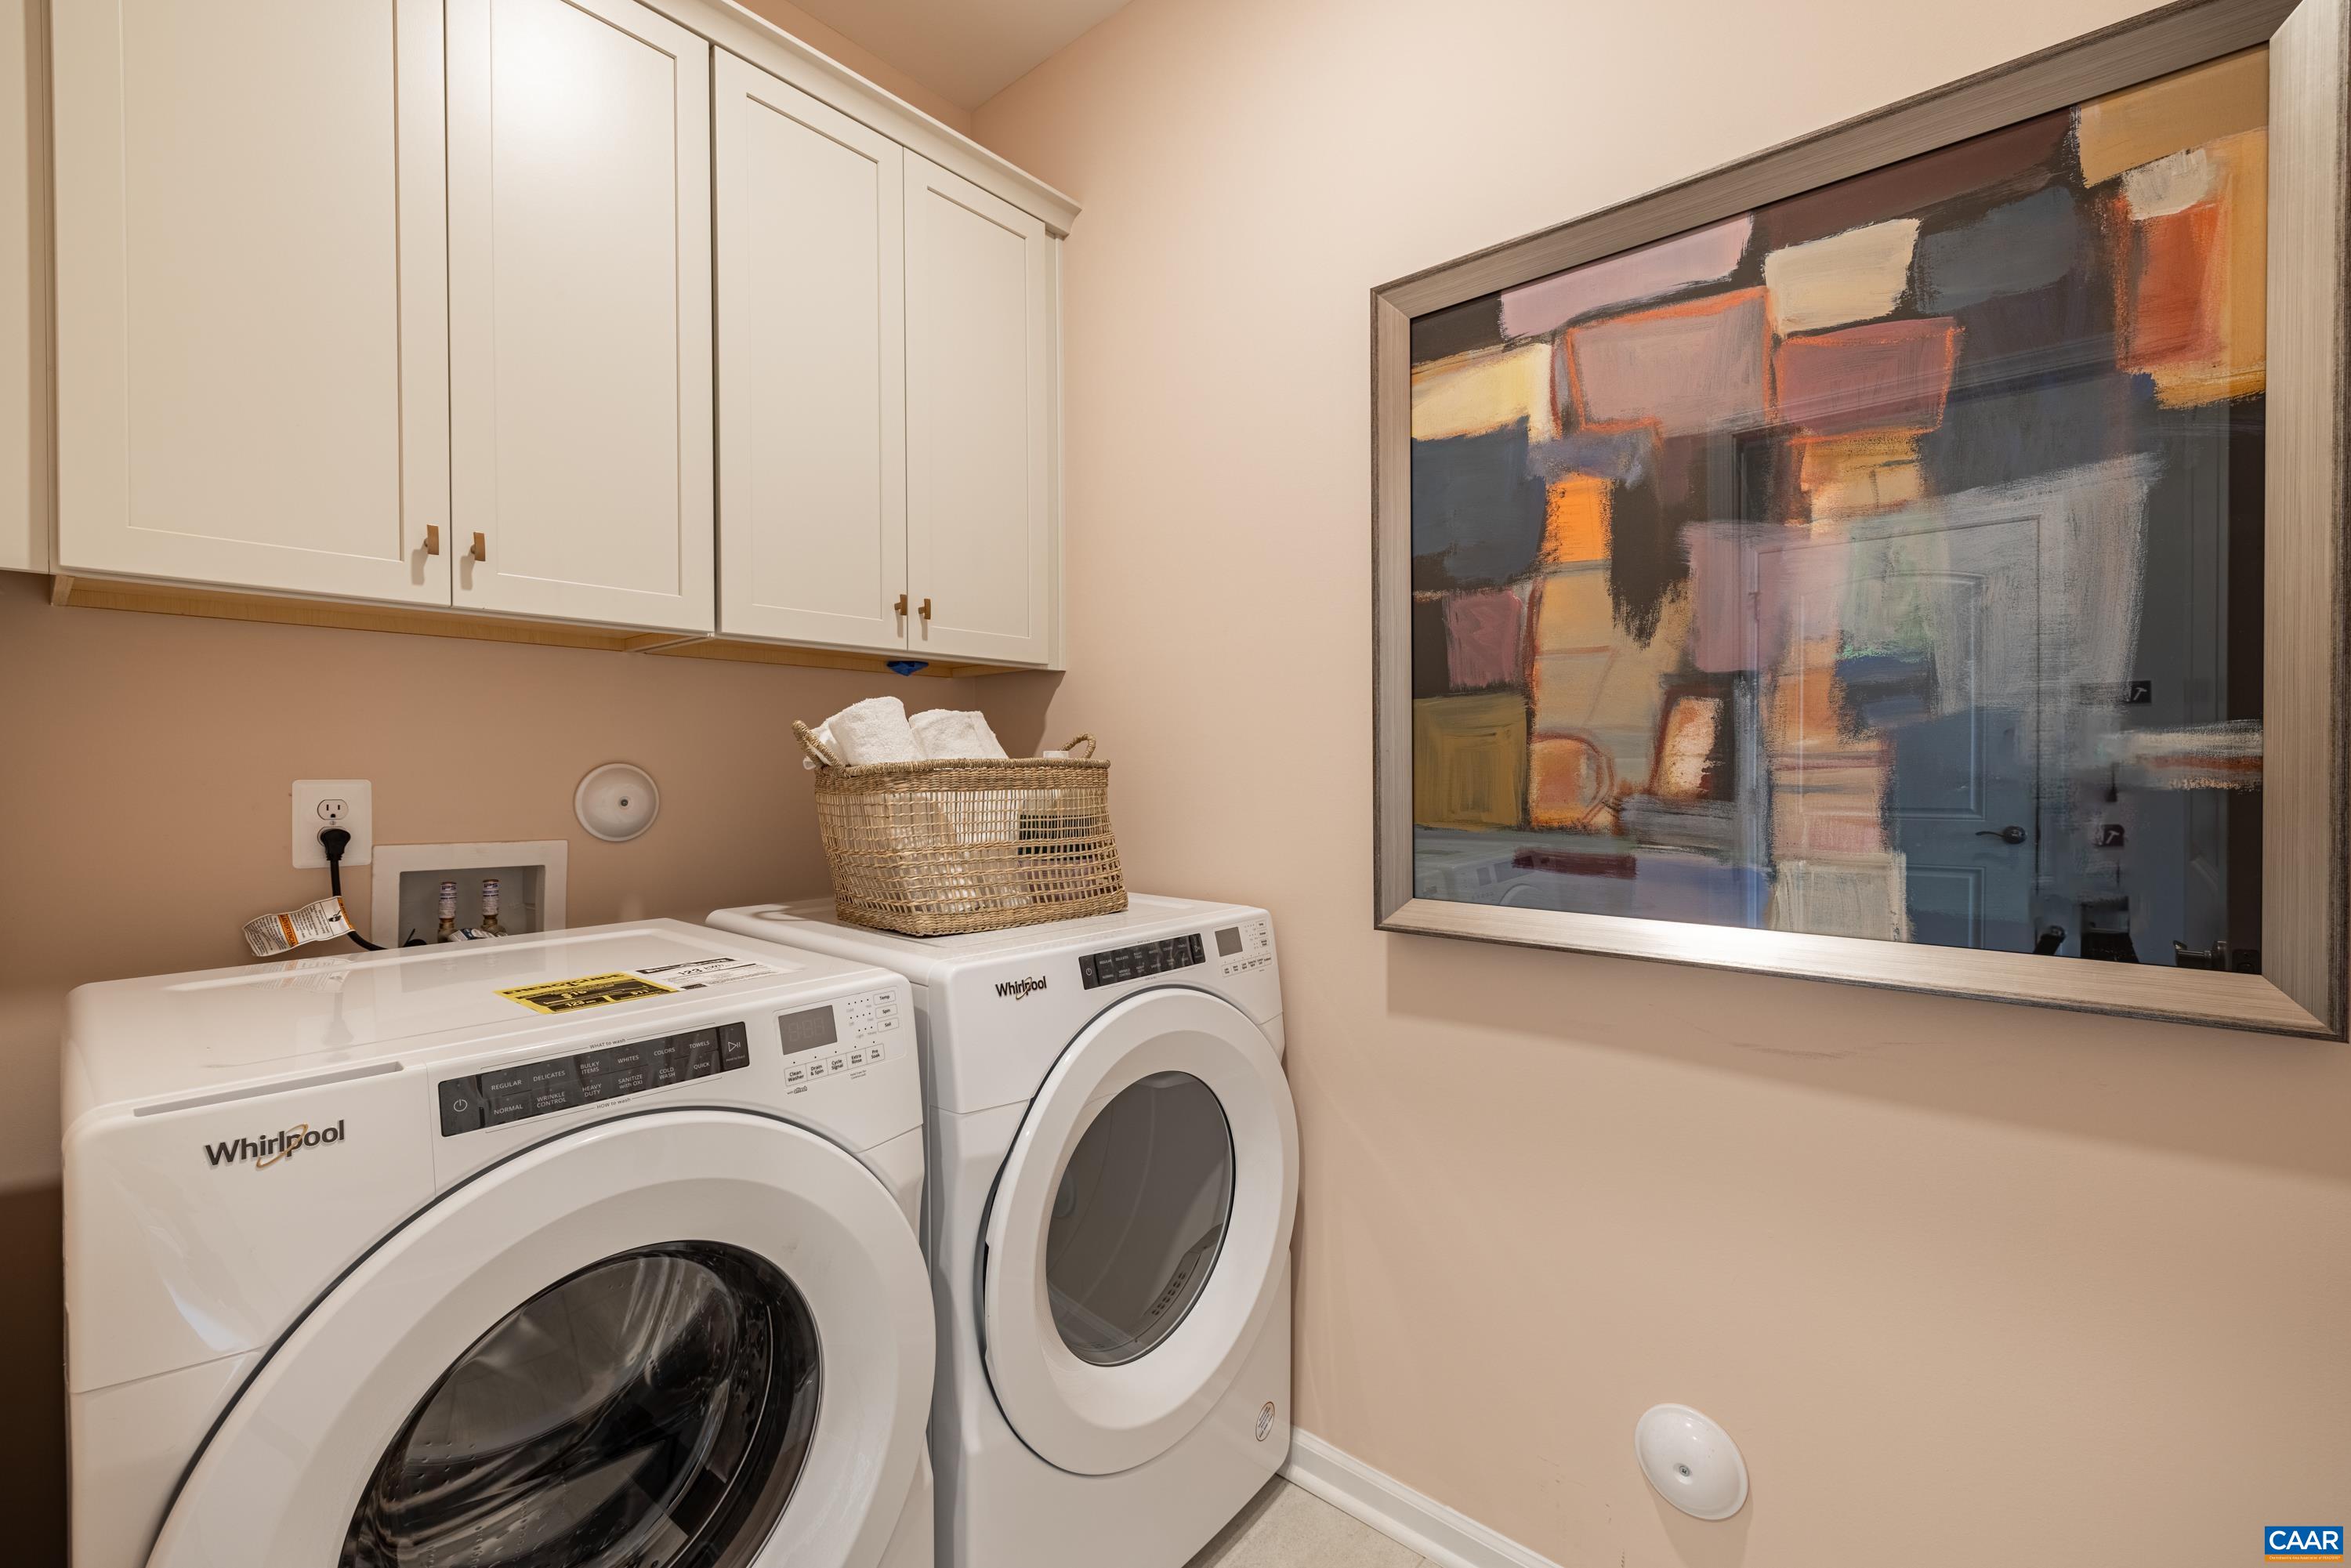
1691,1461
617,801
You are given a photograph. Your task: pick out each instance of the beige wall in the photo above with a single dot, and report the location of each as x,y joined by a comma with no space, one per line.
1970,1284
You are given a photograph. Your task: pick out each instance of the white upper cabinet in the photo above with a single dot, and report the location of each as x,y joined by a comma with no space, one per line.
638,316
981,523
811,368
580,334
24,289
251,312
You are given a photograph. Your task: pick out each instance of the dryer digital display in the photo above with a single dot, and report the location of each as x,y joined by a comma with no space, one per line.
505,1094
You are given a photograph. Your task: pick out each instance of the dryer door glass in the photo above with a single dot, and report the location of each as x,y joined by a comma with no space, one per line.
652,1410
1139,1216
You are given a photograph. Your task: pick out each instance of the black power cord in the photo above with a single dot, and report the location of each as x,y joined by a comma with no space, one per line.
334,841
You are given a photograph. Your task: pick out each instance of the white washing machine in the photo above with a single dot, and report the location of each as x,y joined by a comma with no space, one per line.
584,1249
1114,1160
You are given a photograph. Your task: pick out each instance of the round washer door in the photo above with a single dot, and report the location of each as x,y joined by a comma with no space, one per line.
1135,1242
690,1339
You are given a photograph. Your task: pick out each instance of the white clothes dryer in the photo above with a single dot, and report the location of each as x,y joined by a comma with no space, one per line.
1114,1162
592,1248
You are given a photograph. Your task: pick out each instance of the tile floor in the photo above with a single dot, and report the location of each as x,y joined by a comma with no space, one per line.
1286,1527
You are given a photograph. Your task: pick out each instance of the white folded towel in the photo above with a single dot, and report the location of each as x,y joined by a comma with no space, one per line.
874,730
944,732
948,734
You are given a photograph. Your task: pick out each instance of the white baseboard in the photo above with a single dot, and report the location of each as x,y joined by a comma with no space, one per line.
1446,1536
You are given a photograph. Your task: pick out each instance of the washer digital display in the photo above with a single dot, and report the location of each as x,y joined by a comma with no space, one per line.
808,1029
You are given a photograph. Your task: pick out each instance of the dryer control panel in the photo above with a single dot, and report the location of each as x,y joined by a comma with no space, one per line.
505,1094
1112,965
814,1046
1246,947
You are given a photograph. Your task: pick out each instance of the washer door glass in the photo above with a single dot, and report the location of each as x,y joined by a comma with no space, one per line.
652,1410
1139,1216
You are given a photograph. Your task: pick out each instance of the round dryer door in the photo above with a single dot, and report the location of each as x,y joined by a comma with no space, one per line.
1136,1239
691,1339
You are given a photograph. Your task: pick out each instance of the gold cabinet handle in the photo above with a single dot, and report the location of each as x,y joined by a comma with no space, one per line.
927,609
902,607
481,551
432,539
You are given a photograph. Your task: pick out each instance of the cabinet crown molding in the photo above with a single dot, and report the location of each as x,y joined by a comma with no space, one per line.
762,43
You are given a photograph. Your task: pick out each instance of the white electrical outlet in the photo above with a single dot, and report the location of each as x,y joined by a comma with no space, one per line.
323,803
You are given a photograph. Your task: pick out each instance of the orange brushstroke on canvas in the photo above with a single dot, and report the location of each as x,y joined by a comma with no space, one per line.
1571,783
1685,747
2175,259
1575,520
2194,293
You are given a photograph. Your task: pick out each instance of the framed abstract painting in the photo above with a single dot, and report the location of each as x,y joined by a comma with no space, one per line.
1912,556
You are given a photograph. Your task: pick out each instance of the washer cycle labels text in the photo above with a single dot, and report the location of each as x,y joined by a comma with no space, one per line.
272,1148
2302,1542
521,1090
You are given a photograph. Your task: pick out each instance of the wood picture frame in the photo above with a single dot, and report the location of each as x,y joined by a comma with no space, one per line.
2300,989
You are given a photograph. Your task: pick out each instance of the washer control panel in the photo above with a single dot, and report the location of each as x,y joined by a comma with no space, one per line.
527,1089
839,1036
1243,947
1113,964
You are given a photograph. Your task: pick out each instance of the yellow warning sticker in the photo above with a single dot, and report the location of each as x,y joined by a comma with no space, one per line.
587,992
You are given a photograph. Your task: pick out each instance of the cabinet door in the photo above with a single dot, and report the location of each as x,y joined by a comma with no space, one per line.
981,509
579,311
251,305
811,368
24,290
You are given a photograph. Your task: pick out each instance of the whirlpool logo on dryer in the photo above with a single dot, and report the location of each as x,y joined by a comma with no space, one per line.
1018,990
273,1148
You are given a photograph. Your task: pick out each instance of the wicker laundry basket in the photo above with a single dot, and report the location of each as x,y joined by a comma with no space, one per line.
938,849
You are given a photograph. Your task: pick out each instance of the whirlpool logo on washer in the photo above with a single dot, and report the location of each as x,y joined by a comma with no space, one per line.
1018,990
273,1148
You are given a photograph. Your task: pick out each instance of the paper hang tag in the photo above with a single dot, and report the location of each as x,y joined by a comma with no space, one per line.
270,935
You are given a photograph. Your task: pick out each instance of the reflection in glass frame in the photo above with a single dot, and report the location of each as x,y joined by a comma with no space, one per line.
1909,556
